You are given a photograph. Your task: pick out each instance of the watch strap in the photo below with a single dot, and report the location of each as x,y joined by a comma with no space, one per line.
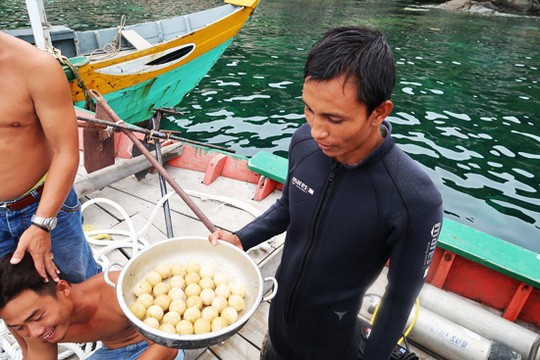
41,227
47,223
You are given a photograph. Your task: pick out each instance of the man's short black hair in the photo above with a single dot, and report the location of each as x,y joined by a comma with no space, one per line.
360,54
14,279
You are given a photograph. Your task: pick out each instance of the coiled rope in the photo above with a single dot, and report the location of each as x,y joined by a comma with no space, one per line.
111,49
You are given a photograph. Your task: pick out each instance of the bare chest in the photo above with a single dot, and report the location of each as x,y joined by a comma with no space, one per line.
16,103
113,330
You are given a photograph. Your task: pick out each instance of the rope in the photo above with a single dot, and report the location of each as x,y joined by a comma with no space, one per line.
89,102
135,239
112,48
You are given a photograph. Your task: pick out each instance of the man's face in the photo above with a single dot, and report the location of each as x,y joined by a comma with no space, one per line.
39,316
339,123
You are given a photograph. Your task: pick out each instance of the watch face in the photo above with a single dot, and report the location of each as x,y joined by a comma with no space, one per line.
52,223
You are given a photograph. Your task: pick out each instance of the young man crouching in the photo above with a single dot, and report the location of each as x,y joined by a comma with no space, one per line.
45,314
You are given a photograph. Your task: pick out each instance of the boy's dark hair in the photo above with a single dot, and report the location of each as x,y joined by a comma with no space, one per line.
359,53
14,279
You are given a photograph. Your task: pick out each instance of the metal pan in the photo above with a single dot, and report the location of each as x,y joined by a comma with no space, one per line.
223,258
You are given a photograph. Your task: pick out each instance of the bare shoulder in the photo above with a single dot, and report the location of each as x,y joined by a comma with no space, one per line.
96,293
106,292
25,56
97,282
39,349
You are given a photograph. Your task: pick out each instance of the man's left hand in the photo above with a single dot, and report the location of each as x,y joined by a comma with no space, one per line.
38,243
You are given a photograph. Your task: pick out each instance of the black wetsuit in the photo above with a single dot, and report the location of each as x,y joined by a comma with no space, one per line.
343,223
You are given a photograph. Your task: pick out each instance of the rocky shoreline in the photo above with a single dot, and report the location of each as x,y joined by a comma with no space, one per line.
531,7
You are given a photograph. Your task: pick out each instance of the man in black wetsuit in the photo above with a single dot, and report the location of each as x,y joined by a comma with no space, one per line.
352,201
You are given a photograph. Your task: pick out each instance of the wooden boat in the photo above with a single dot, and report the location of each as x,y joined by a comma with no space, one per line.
474,278
492,284
142,66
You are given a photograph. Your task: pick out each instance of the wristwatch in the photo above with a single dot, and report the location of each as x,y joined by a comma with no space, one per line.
46,224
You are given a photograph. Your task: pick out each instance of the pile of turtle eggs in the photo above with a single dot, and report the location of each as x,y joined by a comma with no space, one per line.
187,299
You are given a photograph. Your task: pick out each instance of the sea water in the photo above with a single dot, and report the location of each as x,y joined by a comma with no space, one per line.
467,97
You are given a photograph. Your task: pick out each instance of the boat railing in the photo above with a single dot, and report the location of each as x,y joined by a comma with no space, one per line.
493,272
154,32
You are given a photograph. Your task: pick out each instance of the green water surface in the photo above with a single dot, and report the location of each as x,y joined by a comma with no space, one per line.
467,96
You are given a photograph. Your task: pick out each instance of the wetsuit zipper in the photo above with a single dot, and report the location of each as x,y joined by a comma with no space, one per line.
326,196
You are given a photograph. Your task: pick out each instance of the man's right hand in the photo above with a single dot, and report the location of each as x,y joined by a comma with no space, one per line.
225,236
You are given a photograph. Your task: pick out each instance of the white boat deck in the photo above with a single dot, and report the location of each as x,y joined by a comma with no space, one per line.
139,199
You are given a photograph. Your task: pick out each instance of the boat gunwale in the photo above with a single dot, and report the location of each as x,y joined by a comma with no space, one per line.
178,34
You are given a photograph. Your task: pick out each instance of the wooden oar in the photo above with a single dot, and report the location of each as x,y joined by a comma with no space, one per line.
105,106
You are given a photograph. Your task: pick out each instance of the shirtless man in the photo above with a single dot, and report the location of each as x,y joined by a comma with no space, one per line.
38,140
45,314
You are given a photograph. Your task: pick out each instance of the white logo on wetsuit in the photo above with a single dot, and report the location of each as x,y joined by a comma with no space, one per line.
340,314
432,245
302,186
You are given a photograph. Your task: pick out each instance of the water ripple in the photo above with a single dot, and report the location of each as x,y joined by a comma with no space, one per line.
466,97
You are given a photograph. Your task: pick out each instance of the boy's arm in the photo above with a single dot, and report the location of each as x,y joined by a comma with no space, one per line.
20,340
156,351
40,350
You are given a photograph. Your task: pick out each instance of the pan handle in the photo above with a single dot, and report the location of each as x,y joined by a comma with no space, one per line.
106,274
274,289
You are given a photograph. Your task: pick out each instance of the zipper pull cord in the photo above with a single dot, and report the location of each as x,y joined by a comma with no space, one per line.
333,171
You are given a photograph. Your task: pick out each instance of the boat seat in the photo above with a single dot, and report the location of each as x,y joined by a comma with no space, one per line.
502,256
269,165
273,170
136,39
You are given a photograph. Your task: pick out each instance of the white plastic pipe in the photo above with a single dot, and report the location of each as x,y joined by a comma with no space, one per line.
452,341
481,321
447,339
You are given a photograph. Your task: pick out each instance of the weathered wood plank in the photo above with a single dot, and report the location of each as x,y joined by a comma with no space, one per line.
206,355
133,205
199,354
128,202
222,215
86,184
235,348
256,327
153,235
95,215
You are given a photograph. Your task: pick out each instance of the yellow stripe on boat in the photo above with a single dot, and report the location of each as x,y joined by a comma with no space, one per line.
206,39
247,3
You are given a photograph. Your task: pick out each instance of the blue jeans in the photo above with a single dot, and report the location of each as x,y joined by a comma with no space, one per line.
72,254
130,352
